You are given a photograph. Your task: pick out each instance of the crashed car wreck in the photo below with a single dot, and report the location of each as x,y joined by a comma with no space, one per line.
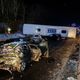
16,54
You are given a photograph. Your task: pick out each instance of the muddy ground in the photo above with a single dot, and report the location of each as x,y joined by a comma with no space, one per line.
54,67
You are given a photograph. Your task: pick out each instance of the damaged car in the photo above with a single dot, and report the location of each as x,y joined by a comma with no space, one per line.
14,55
18,54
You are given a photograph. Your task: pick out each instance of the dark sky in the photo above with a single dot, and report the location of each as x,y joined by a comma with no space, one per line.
57,12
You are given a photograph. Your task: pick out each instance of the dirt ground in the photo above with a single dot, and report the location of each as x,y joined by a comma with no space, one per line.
54,67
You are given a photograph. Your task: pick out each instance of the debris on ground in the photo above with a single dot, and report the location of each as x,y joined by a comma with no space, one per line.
54,67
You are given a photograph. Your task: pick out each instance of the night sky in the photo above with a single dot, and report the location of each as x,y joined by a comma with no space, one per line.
50,12
57,12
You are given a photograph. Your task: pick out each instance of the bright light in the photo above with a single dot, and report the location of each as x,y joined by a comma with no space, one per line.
9,29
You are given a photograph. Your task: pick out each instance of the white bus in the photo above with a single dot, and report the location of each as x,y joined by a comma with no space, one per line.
48,30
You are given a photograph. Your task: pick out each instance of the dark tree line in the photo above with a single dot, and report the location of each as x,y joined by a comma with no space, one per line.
14,12
11,10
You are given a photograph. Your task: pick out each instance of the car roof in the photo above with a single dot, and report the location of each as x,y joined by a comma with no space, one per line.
11,40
